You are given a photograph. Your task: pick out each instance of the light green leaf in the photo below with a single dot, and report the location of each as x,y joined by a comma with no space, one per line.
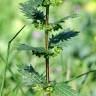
29,7
30,77
23,47
62,89
64,18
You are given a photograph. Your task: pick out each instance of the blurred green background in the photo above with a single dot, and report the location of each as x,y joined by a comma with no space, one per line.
79,53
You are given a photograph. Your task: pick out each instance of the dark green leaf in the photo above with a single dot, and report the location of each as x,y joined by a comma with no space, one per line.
38,15
61,37
56,27
29,8
38,51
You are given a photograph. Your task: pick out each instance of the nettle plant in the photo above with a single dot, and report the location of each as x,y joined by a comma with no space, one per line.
38,12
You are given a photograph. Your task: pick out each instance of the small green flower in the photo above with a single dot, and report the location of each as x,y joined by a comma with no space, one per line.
56,50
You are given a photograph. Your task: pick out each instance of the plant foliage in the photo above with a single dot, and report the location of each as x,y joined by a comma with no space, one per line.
33,10
61,37
62,89
30,9
38,51
30,76
56,27
62,20
35,80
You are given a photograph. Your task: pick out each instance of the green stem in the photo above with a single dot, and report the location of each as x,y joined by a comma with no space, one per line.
46,44
7,59
4,76
17,83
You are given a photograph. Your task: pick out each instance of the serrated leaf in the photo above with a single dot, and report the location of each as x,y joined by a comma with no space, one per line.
32,3
61,37
56,27
38,15
23,47
38,51
64,18
30,76
62,89
29,8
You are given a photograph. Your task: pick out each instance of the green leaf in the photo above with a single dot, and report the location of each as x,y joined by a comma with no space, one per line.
62,89
64,18
30,76
29,8
38,16
38,51
23,47
61,37
56,27
32,3
38,82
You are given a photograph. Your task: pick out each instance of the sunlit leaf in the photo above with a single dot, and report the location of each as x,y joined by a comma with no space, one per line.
62,89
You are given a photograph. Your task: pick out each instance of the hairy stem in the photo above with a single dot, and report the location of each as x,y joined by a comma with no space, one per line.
46,44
